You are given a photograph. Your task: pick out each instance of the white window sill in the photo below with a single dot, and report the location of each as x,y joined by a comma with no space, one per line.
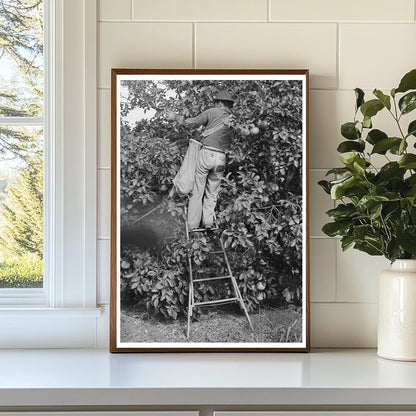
36,312
40,327
330,379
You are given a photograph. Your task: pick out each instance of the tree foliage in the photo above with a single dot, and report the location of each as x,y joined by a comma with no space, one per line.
377,204
259,208
21,95
21,211
21,86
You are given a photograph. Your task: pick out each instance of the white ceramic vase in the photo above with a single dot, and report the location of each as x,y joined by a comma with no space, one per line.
397,312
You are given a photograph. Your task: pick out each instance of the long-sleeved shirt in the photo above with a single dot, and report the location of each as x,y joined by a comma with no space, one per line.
221,137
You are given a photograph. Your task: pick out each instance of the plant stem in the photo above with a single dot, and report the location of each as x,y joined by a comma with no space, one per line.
397,118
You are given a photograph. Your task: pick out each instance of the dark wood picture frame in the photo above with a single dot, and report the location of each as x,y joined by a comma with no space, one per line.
116,344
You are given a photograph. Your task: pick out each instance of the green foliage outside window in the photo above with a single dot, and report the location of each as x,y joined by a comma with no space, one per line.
21,146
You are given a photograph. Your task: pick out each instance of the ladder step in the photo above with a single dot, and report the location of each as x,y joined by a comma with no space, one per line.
216,302
212,278
195,230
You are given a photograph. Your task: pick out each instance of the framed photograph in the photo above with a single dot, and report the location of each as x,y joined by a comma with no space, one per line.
209,215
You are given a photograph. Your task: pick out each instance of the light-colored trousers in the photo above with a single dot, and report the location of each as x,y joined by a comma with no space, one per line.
208,176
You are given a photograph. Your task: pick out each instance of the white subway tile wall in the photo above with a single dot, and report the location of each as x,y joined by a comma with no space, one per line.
366,48
339,11
345,44
114,10
142,45
322,269
104,128
200,10
270,45
104,202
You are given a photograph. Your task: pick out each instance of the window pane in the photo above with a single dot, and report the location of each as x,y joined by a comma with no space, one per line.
21,207
21,58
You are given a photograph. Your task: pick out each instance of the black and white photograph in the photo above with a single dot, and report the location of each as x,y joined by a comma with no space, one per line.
209,244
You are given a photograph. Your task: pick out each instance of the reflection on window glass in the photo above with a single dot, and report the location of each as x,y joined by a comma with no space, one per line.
21,143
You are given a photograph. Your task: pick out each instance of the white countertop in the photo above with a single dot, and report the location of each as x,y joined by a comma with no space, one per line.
96,377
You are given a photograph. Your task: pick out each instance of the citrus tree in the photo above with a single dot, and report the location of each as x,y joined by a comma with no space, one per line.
259,207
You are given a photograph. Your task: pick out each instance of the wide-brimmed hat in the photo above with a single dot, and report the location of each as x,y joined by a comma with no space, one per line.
223,96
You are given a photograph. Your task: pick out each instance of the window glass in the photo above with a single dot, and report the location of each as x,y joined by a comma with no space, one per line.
21,143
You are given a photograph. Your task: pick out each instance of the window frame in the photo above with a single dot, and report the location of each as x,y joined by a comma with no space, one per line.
28,317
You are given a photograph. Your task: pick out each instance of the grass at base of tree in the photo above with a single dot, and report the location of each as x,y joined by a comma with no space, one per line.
215,325
25,271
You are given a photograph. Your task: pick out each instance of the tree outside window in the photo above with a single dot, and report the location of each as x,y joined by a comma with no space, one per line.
21,143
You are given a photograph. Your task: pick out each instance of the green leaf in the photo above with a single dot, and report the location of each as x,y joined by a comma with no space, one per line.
342,211
407,240
349,131
411,130
375,212
359,165
325,186
371,108
346,242
349,146
400,148
368,201
338,171
367,122
408,161
368,248
336,228
408,102
361,231
390,170
349,158
338,189
375,136
385,144
411,182
385,99
359,95
408,82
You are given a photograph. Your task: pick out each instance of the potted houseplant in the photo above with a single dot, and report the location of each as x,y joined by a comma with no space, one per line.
376,209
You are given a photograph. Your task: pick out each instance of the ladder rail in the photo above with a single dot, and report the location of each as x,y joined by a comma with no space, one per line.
235,284
191,295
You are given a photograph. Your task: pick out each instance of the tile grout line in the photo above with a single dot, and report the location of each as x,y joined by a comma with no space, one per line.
345,302
131,9
310,89
308,22
336,271
269,10
338,63
194,63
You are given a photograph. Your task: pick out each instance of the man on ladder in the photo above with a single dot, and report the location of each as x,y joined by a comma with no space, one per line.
210,166
209,172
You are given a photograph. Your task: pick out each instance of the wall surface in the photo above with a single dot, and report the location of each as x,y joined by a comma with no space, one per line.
345,44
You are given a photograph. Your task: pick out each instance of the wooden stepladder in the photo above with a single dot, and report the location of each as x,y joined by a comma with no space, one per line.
236,298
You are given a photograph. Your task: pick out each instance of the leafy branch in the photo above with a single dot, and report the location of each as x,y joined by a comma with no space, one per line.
377,207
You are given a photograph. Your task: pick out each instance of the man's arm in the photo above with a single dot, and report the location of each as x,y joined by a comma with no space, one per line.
199,120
